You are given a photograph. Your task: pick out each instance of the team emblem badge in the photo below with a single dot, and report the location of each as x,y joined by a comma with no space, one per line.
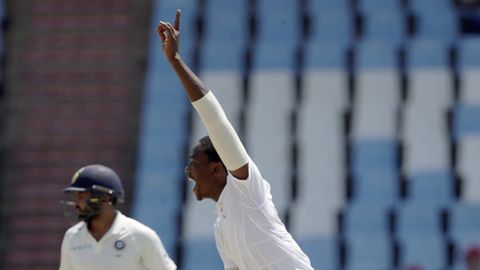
119,244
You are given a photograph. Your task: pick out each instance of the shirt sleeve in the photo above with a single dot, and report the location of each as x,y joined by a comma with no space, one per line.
65,260
254,190
154,255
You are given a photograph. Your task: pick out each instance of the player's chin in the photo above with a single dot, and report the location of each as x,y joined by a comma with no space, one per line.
198,195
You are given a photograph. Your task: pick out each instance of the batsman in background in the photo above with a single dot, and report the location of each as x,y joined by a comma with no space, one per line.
248,232
105,239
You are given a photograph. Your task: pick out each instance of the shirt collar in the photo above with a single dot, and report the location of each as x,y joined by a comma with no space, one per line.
116,228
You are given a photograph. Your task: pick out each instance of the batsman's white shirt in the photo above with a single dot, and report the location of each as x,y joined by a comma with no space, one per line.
128,245
248,232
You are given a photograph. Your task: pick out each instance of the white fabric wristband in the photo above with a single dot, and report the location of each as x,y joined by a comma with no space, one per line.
223,136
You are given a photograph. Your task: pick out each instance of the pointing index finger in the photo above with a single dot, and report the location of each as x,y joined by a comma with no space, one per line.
177,20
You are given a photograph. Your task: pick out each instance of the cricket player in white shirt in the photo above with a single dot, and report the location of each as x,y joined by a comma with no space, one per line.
248,232
106,239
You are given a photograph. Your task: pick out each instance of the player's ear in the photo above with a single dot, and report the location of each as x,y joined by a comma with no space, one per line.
219,168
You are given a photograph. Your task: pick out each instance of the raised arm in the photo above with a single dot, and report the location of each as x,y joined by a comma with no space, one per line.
223,136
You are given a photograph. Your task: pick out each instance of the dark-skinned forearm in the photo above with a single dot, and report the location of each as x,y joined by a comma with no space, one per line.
194,87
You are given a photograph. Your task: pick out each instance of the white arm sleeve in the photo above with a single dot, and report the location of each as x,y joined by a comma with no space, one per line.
223,136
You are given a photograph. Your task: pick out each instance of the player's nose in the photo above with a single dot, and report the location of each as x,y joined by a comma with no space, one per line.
188,172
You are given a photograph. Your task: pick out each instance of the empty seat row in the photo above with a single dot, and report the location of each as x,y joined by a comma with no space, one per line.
370,240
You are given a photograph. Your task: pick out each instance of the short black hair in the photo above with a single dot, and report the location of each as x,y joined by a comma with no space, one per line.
209,150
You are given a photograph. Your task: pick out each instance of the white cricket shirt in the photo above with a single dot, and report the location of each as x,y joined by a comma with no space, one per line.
248,232
128,245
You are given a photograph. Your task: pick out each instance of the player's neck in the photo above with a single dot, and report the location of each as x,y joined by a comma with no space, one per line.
100,225
218,189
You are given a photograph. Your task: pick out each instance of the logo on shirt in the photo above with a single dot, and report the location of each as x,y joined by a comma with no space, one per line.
119,244
81,247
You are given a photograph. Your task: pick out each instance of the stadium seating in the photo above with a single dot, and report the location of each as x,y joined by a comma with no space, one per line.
272,90
369,252
464,227
467,168
424,251
430,78
370,155
369,115
161,155
198,236
277,19
331,23
384,24
463,219
414,219
322,251
468,65
435,20
320,139
434,187
226,22
366,6
365,219
201,252
378,93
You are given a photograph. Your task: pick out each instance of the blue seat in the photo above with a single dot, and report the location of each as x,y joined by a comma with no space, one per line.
430,6
386,25
369,252
374,54
332,25
162,134
462,245
372,155
466,121
416,219
273,56
201,254
427,251
234,7
323,251
222,56
376,187
468,53
464,229
365,219
425,53
435,188
232,29
367,6
163,220
315,6
226,21
441,26
326,55
277,20
158,186
465,222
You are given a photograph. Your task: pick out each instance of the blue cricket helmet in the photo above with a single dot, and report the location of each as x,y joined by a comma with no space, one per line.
97,178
